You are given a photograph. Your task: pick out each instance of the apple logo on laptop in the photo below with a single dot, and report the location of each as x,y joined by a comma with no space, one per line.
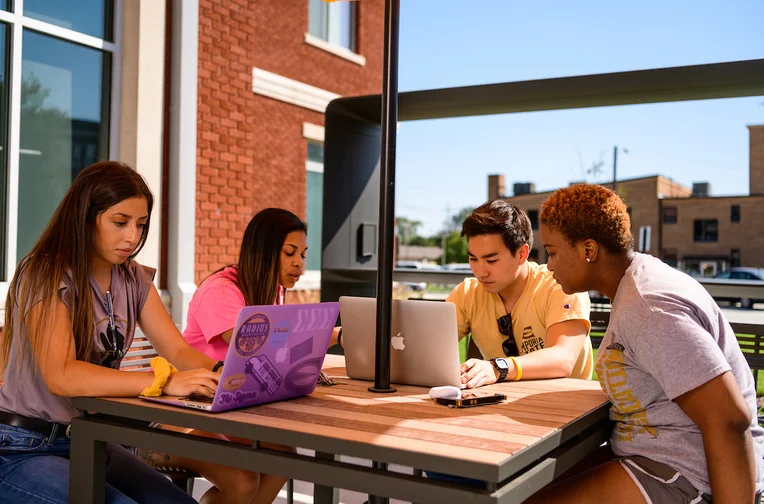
397,342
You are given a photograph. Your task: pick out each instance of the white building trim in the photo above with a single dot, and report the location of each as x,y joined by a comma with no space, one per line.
335,49
16,23
310,280
70,35
14,144
181,222
312,166
142,104
290,91
116,82
313,132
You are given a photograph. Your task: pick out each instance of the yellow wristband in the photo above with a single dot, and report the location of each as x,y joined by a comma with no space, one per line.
162,371
518,367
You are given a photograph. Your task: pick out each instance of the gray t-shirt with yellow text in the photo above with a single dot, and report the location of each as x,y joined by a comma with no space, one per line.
666,337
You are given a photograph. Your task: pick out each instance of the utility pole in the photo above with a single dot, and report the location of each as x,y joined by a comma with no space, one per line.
615,164
445,236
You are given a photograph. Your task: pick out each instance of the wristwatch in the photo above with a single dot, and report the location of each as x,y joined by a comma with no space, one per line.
503,366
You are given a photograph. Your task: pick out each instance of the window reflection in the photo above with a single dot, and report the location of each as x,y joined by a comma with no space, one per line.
4,116
334,22
64,125
93,17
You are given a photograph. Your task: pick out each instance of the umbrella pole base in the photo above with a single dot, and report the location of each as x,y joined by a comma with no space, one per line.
387,390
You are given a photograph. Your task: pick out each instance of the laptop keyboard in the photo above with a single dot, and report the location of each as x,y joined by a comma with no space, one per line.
198,398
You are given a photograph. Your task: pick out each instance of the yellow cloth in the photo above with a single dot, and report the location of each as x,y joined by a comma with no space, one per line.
162,371
541,305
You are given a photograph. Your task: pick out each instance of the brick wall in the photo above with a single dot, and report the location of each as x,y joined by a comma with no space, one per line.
640,194
744,235
250,151
757,159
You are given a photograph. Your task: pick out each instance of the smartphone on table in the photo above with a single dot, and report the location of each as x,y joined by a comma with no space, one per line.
471,399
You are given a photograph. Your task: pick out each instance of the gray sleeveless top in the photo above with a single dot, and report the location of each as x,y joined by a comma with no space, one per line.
24,391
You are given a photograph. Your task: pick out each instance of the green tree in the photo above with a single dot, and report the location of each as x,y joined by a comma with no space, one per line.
458,219
407,229
456,248
432,241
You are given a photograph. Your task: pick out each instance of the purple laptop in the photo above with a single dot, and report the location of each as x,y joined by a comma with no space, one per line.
276,353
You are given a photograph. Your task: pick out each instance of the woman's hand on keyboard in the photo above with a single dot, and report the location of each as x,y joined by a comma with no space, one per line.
196,381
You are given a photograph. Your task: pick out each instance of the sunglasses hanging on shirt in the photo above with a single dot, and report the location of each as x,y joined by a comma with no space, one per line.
113,342
509,345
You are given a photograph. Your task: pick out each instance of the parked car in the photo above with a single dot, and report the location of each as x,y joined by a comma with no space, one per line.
740,273
458,267
416,265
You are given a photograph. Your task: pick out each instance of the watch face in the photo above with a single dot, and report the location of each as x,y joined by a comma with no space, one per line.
501,363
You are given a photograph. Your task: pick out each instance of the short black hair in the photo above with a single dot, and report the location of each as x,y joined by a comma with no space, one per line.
502,218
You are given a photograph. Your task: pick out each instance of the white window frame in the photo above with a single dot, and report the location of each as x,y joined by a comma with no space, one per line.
311,279
17,22
336,49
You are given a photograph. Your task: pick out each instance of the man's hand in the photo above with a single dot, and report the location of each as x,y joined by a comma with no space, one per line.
476,373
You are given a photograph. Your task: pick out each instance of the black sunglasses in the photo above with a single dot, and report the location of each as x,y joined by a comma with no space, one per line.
113,342
508,345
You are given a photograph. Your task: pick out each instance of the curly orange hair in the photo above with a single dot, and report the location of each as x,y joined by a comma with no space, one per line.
588,211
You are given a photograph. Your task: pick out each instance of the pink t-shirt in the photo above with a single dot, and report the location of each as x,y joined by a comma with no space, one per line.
213,310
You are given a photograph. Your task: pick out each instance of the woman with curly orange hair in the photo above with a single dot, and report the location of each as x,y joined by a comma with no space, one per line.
684,403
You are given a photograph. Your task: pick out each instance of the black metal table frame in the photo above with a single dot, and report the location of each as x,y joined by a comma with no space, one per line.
514,479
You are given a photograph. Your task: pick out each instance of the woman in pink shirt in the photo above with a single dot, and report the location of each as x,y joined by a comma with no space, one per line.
271,260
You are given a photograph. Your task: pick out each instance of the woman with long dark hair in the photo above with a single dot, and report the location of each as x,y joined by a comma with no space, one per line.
271,260
70,315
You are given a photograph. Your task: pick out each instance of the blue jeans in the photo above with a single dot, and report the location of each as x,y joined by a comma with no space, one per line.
34,468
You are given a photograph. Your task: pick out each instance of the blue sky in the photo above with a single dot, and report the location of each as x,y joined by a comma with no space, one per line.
442,165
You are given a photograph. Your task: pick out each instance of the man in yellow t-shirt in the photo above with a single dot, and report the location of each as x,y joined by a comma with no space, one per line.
525,326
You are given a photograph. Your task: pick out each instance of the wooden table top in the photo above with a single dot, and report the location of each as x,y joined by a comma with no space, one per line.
409,420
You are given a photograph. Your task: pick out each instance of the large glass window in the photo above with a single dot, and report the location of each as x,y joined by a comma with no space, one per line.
706,230
4,5
533,216
735,213
314,203
670,215
92,17
334,22
64,125
4,60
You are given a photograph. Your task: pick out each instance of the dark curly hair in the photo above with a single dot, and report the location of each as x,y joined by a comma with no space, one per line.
588,211
501,218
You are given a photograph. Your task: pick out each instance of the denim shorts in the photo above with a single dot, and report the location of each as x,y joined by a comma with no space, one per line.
34,468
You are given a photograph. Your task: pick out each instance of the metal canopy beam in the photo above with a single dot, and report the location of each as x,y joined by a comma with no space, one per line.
700,82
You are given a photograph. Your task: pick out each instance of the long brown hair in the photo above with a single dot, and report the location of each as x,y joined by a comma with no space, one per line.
258,266
66,248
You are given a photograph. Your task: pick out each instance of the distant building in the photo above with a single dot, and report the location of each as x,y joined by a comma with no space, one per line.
419,253
687,228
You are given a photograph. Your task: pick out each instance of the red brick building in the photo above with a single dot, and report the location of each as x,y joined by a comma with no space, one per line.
263,82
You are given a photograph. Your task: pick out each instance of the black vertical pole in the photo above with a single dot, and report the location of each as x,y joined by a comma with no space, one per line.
387,199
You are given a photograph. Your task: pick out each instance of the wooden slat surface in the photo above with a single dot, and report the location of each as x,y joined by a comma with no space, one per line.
409,420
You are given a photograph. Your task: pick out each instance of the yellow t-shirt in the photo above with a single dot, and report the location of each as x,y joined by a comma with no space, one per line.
541,305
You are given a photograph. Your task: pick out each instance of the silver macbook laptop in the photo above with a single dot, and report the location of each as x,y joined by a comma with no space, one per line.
424,341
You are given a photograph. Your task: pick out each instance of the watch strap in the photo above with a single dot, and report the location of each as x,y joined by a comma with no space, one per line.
502,372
